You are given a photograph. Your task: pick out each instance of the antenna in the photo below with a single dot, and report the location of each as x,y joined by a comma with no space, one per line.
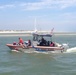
35,26
35,29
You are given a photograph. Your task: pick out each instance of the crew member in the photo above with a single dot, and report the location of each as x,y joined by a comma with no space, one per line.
21,42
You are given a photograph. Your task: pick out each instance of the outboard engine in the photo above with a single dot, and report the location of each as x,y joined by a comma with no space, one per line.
65,46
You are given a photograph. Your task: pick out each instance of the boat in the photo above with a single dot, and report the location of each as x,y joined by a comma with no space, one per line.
36,44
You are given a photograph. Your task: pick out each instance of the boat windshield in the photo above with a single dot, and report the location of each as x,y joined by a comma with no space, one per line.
37,37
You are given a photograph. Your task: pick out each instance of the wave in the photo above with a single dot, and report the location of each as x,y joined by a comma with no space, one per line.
70,50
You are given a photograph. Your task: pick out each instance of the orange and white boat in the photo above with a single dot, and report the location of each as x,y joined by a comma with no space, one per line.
38,46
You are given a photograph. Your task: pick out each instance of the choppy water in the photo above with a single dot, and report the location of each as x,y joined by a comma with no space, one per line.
34,63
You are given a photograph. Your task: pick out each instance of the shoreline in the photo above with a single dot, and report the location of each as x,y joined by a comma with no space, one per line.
29,33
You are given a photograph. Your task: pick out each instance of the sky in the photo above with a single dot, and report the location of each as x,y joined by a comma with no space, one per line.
21,15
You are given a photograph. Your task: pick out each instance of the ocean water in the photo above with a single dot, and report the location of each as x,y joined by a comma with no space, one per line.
35,63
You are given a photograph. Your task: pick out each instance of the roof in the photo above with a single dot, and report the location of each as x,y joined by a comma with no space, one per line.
43,35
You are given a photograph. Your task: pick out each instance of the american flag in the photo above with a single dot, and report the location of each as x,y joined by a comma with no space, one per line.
52,31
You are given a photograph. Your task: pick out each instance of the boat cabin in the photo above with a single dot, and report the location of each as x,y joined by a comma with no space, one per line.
43,39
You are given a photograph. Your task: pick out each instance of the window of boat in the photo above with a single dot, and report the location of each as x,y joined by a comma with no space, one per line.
37,37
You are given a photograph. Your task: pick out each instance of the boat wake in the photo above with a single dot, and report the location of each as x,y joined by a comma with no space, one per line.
15,50
33,51
71,50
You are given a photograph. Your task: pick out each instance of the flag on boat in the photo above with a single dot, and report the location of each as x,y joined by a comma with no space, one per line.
52,31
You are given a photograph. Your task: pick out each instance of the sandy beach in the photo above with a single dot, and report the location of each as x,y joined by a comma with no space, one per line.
29,33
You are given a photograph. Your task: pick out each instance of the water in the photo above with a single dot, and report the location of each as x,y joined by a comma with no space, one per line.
35,63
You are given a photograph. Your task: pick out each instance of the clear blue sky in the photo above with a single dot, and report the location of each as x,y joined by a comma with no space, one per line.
21,14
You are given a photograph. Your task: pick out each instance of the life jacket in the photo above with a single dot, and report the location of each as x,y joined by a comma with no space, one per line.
21,41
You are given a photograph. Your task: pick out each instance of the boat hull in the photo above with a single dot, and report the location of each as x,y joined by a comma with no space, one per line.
16,47
37,48
47,48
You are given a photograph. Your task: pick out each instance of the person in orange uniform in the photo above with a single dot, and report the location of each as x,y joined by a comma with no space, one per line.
21,42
